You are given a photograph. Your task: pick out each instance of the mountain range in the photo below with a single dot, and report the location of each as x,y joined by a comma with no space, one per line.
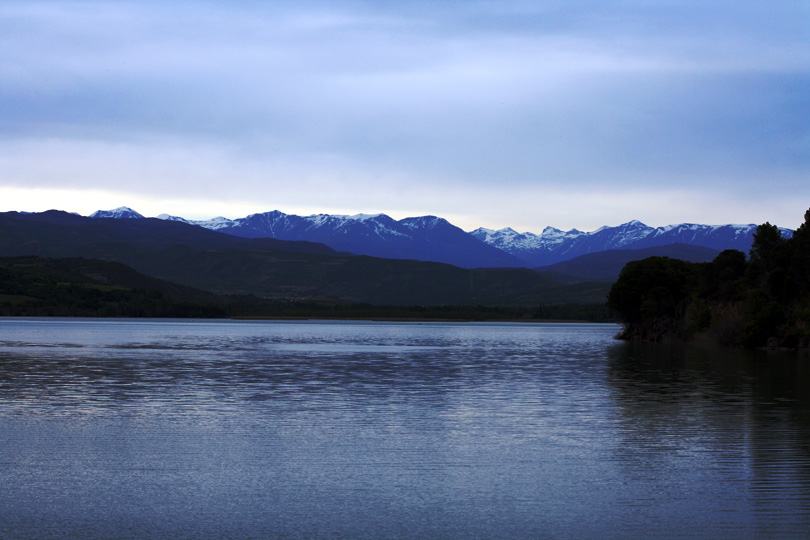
431,238
370,259
277,270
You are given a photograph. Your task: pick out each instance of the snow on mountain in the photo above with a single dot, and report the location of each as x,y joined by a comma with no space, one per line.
552,235
424,223
618,237
122,212
167,217
526,246
509,239
426,238
713,236
553,245
431,238
362,217
213,224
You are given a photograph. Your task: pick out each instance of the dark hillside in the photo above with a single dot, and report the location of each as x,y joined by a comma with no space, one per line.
59,234
223,264
290,276
91,288
30,286
606,265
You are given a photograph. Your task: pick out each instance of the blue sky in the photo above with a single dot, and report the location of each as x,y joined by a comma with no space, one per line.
511,113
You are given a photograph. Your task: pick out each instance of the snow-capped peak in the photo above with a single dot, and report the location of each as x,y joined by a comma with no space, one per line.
422,222
550,233
213,223
167,217
219,220
363,217
122,212
485,235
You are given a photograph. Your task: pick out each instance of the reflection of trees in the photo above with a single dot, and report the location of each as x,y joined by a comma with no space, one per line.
736,422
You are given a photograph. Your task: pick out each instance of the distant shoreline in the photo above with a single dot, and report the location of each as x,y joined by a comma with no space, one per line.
315,318
416,319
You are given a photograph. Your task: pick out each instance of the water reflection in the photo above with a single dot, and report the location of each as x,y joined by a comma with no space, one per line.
732,424
249,363
191,429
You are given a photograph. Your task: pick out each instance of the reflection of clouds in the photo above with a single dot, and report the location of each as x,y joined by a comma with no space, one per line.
138,366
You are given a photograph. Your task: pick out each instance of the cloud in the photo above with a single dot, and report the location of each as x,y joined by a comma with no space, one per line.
167,177
362,103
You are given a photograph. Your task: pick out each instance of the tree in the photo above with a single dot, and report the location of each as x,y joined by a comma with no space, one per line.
802,234
651,295
767,239
729,264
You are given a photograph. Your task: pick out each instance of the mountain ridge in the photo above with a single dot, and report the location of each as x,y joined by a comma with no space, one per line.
606,265
277,270
424,238
434,239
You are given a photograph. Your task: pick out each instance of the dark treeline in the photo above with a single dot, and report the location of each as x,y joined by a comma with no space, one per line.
35,294
325,310
762,300
33,286
78,300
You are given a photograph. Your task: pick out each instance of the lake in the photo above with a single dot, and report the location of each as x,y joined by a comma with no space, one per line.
231,429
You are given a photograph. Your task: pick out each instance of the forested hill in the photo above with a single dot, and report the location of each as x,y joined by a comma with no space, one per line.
78,287
762,300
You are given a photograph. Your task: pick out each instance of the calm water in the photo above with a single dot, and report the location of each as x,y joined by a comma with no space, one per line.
196,429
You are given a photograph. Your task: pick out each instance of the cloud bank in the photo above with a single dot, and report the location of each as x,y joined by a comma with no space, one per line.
522,114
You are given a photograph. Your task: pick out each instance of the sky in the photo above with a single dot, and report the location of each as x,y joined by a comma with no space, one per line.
522,114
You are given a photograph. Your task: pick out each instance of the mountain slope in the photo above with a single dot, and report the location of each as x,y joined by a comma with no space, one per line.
717,237
430,238
352,278
59,234
32,286
606,265
122,212
426,238
220,263
526,245
553,246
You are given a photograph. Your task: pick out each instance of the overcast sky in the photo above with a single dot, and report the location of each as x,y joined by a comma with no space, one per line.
494,113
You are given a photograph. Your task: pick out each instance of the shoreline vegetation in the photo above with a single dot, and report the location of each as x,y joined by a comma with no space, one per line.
762,300
76,287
